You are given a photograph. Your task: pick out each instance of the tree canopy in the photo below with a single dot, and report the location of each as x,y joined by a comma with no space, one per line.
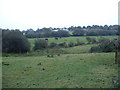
14,42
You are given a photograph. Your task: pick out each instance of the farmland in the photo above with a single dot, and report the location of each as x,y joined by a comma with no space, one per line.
71,39
65,71
71,67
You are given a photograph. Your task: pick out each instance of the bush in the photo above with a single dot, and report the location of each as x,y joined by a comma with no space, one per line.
88,39
40,44
71,44
106,46
52,45
102,39
78,32
63,33
91,33
79,42
95,49
63,45
91,40
14,42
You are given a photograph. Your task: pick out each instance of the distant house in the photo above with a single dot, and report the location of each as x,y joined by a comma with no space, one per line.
85,29
23,33
55,30
65,29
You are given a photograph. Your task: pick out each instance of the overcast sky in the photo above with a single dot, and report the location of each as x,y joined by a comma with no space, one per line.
25,14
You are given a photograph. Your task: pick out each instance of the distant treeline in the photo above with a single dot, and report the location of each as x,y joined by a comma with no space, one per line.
13,41
94,30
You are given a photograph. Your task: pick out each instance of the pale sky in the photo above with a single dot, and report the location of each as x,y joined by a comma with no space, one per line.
25,14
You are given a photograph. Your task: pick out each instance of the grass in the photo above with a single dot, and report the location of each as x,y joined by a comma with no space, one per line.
89,70
70,39
79,49
71,50
72,67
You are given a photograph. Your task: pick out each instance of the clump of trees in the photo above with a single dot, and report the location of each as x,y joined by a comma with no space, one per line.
45,32
40,44
79,42
106,46
91,40
14,42
78,32
71,44
94,30
63,33
63,45
52,45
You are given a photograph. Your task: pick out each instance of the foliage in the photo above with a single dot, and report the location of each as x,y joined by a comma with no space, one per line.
92,33
78,32
102,39
47,32
40,44
52,45
106,46
91,40
64,45
55,34
94,30
71,44
63,33
14,42
79,42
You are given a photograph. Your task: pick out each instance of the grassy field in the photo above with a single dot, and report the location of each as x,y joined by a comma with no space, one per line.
70,39
90,70
72,67
55,51
79,49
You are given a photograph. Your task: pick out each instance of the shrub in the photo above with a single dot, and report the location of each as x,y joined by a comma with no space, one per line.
40,44
63,33
71,44
91,40
14,42
56,38
52,45
106,46
78,32
102,39
95,49
79,43
48,55
46,39
92,33
58,54
63,45
88,39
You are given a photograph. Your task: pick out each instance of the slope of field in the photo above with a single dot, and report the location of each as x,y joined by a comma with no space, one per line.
79,49
70,39
93,70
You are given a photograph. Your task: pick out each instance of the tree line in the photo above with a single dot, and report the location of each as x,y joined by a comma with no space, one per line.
64,33
13,41
94,30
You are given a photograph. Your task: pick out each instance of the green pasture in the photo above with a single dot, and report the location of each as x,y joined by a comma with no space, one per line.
70,39
55,51
89,70
79,49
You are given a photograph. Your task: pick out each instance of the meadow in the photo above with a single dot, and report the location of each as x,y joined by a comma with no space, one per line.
70,39
94,70
72,67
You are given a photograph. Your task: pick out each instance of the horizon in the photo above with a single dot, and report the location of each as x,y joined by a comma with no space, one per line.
25,14
56,27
